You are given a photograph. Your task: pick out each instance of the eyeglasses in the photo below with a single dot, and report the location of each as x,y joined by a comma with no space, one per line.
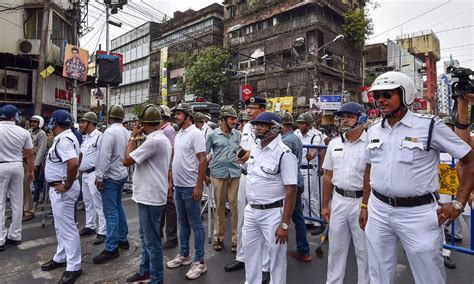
385,94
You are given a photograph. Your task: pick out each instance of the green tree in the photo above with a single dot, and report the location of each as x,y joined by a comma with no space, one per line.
204,75
357,27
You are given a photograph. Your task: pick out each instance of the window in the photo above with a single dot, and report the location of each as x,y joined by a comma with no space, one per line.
34,18
61,31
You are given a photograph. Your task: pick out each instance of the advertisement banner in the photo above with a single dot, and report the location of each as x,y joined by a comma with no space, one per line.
246,92
75,63
164,75
448,179
280,104
330,102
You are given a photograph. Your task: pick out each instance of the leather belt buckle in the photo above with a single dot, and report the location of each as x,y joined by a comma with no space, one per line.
349,193
392,201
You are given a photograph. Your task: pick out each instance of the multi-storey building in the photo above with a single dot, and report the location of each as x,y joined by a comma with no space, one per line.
187,33
21,24
135,46
278,48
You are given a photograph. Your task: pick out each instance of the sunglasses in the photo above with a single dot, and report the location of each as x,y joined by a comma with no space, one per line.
385,94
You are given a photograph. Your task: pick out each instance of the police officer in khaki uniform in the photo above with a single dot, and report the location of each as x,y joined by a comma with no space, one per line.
14,142
401,178
62,164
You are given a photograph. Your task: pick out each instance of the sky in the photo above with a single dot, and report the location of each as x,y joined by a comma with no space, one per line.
391,19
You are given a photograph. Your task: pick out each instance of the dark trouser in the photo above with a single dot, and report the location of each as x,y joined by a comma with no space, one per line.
302,244
170,219
151,247
38,183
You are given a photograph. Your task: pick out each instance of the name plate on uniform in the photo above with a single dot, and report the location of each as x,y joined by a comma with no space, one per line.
448,179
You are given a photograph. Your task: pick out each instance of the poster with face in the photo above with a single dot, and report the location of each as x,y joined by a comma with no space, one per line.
75,63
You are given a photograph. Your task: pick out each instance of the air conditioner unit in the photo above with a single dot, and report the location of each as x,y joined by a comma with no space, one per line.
29,46
13,82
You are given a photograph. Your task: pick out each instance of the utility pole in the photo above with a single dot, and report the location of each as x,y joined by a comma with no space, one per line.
43,53
107,49
76,18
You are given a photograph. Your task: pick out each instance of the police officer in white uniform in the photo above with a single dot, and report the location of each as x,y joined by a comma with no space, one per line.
92,197
62,164
311,197
271,195
401,177
344,171
255,106
14,142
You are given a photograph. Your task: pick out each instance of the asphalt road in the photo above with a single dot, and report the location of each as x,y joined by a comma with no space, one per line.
22,264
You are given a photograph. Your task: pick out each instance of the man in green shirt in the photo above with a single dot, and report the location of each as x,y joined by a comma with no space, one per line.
223,144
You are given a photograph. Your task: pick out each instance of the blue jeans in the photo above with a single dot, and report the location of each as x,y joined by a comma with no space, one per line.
117,229
151,248
189,217
302,244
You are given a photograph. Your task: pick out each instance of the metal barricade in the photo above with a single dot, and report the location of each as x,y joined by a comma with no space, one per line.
318,174
451,245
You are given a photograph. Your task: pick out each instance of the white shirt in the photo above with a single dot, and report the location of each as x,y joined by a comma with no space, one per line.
346,160
188,143
400,166
13,140
112,147
150,178
65,147
89,149
278,107
248,140
205,130
312,137
267,177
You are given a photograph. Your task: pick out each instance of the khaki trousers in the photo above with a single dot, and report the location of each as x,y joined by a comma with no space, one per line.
226,188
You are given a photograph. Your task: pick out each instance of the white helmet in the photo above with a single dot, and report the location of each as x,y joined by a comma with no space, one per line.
392,80
166,110
39,119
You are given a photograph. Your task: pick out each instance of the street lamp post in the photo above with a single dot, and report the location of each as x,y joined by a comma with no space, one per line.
343,69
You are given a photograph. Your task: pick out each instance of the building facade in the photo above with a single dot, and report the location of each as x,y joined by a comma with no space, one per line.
186,34
21,24
278,49
135,46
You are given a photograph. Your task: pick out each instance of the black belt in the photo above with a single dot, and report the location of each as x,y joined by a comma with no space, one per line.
405,201
275,204
350,193
5,162
89,170
53,183
305,167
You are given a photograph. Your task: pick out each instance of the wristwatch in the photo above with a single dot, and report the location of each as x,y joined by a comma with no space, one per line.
284,226
458,206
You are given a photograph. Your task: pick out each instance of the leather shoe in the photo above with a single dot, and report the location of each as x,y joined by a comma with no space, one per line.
86,231
70,276
234,266
2,247
50,265
265,277
28,216
12,242
170,244
449,263
301,257
124,245
106,256
137,277
99,240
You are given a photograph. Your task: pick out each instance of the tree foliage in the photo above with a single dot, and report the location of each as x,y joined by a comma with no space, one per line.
204,75
357,26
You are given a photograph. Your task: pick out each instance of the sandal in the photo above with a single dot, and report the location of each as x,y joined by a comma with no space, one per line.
233,249
218,246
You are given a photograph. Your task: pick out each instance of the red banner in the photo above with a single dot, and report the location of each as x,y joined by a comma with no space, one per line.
246,92
420,104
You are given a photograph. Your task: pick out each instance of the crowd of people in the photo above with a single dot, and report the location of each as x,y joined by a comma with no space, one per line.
376,183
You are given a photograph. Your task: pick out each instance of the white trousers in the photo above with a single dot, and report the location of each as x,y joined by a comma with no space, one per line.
417,229
259,231
312,195
93,203
11,183
344,225
67,235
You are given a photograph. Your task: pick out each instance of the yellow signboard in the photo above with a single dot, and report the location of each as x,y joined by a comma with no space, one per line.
448,179
280,104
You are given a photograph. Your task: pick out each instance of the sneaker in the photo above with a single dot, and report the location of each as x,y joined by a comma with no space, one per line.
196,270
179,261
